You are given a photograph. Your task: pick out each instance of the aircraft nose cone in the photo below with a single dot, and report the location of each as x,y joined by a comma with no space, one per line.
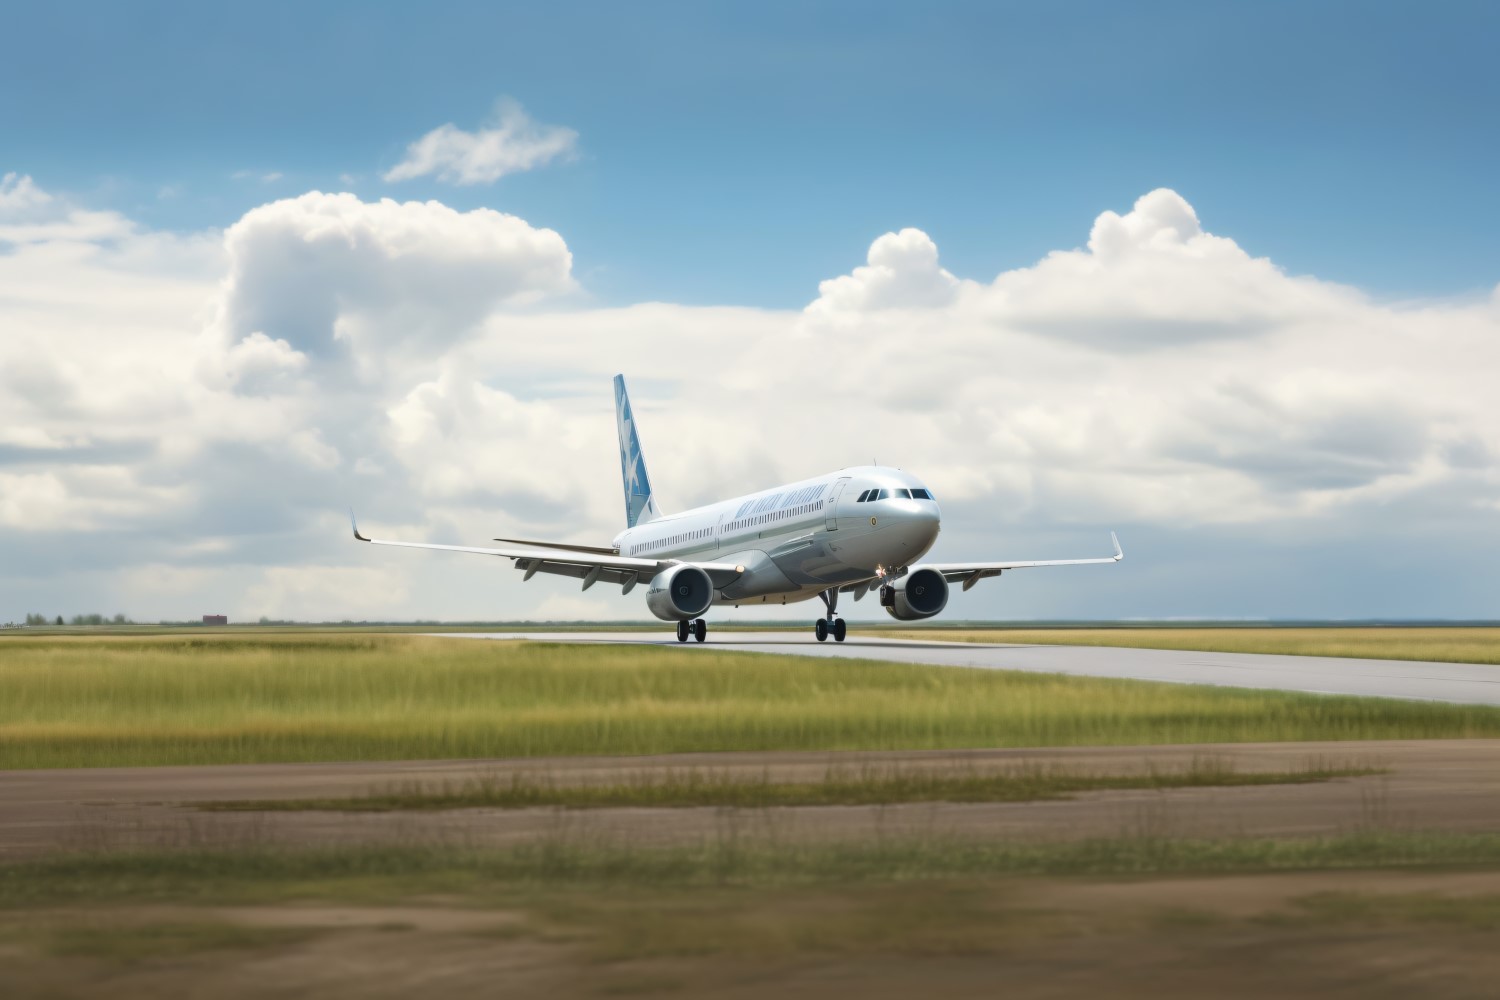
920,523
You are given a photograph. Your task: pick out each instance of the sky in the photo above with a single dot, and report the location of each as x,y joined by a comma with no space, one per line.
1220,278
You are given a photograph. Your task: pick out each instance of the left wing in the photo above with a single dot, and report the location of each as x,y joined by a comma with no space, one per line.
972,573
587,563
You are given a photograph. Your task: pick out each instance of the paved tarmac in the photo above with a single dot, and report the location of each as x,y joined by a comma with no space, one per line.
1463,683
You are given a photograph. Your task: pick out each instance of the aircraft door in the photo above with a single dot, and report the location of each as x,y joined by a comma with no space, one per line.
832,508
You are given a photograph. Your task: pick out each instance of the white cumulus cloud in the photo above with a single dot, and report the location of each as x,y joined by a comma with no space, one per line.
1154,278
901,272
19,193
214,404
328,274
29,214
511,143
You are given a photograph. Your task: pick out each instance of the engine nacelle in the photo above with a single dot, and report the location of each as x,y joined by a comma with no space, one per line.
921,593
680,594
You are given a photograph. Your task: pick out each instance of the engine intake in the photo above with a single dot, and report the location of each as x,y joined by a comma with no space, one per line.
680,594
921,593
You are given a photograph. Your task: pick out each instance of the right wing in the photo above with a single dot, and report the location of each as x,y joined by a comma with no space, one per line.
587,563
972,573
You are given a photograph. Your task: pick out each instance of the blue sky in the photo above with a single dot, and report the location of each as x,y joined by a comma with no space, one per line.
733,154
1220,277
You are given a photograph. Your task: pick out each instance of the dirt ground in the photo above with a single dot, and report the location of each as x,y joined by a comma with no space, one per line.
1225,937
1338,934
1451,785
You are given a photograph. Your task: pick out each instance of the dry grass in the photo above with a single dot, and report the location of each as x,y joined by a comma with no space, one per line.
696,787
1450,645
369,874
80,702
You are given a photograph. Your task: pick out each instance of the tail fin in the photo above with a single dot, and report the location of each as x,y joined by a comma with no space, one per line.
640,504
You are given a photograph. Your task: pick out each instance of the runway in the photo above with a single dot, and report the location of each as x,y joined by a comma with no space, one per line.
1461,683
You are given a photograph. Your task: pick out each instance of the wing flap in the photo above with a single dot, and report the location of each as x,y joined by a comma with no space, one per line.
597,550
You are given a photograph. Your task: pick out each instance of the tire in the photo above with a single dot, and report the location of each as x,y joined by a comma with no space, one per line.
821,630
682,631
700,630
839,630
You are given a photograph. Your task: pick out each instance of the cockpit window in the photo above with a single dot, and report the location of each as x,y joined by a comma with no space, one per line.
893,494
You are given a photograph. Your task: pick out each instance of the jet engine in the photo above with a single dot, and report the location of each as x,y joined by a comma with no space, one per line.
680,594
921,593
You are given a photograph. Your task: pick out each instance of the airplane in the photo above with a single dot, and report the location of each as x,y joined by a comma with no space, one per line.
847,532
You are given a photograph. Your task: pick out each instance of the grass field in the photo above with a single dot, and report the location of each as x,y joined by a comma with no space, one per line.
80,702
695,787
1358,915
1451,645
1382,907
390,873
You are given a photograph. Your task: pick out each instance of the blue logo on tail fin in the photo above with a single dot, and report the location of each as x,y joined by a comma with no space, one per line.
640,505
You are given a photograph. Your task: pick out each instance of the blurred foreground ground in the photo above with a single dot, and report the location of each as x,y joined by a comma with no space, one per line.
80,916
1384,934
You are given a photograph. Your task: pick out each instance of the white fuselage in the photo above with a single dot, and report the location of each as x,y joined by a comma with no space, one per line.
802,539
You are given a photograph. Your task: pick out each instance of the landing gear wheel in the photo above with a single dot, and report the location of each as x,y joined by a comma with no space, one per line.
830,624
682,631
700,630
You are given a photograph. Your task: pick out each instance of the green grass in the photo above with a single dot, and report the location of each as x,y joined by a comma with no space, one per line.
1444,644
696,787
84,702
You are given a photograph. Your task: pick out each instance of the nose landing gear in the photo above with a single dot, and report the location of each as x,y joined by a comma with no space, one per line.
832,625
697,628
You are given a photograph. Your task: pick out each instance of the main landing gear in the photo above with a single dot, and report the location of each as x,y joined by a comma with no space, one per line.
832,625
697,628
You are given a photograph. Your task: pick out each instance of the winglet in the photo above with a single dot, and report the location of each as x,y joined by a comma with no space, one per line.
1119,552
355,525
